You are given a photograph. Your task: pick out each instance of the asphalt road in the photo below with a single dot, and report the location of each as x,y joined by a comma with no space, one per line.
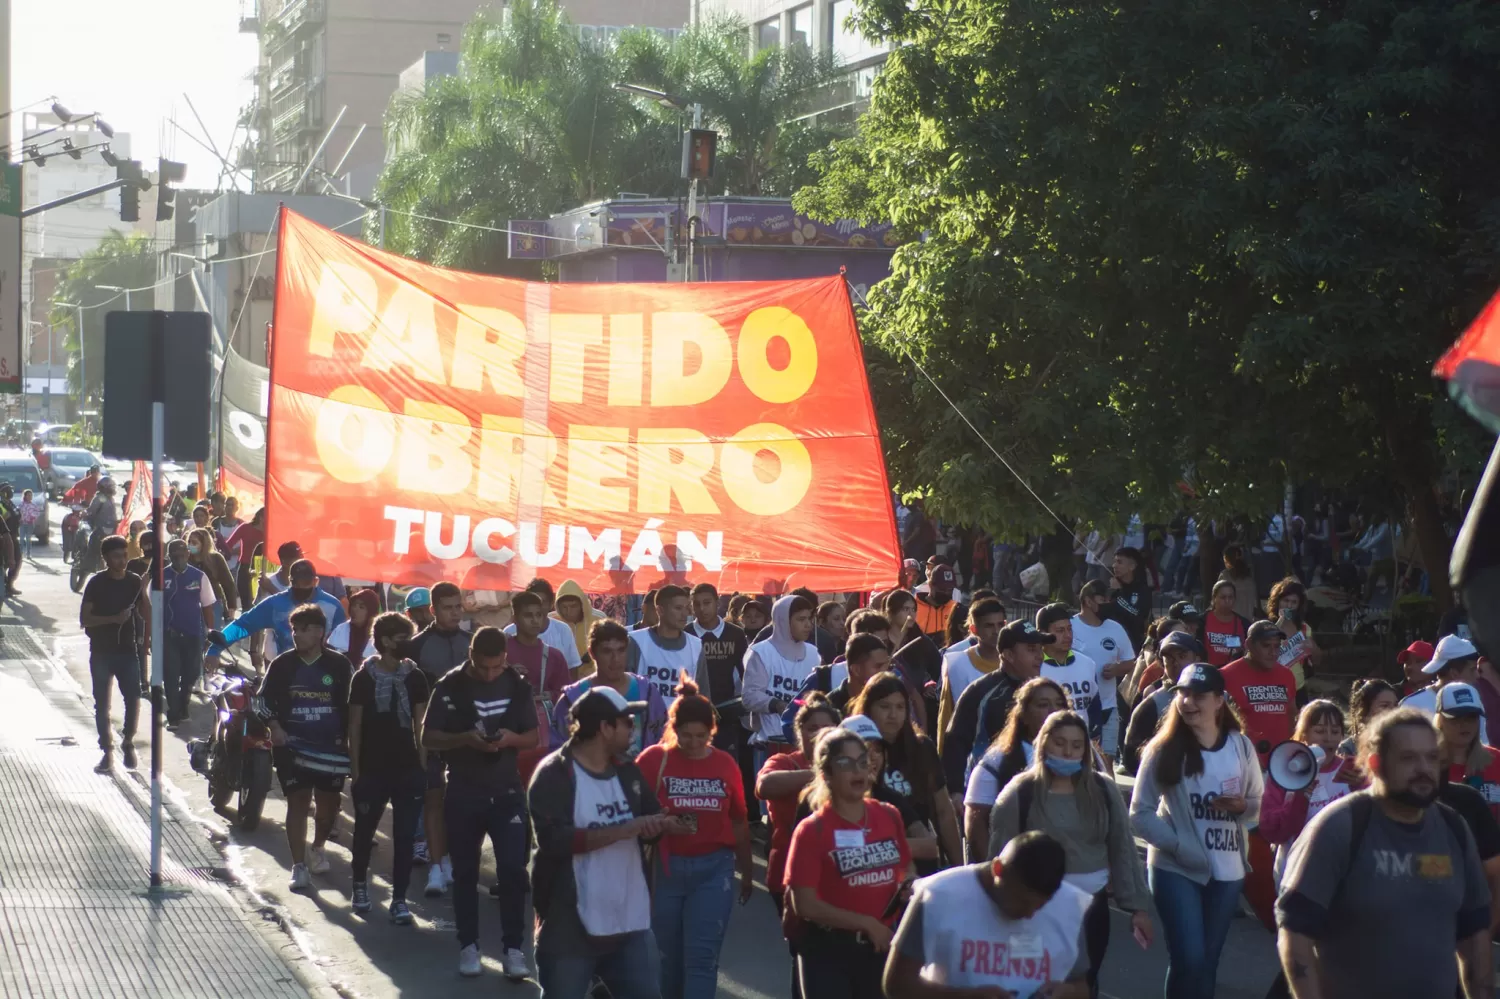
367,958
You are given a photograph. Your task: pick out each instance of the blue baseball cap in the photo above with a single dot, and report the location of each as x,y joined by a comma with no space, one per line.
420,597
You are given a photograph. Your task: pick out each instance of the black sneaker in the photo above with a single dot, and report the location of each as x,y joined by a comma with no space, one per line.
106,763
360,897
400,913
127,755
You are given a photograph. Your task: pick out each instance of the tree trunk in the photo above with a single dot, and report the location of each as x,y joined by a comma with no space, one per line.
1412,467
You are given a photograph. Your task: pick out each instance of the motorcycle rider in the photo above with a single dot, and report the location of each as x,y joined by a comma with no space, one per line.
275,613
103,516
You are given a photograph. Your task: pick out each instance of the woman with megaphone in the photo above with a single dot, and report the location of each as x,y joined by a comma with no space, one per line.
1306,775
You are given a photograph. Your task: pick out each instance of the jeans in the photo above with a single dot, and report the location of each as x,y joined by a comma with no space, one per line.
404,790
26,530
1195,920
124,669
182,664
471,814
690,916
632,970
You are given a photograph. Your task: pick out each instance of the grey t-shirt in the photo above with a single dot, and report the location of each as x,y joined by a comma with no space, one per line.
1422,871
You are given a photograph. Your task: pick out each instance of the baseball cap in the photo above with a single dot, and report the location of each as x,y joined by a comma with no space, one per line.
420,597
1459,699
1201,678
1262,630
1023,633
942,575
861,726
1420,651
1449,648
1183,610
602,704
1181,640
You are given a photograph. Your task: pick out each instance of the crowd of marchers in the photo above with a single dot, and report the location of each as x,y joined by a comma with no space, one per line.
949,795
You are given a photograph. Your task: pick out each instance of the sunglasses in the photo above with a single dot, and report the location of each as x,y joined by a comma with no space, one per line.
851,764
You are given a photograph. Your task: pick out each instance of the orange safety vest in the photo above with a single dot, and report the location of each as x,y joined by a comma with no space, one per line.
933,620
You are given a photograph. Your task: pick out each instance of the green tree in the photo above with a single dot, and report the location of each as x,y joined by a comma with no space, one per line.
124,261
532,125
1178,241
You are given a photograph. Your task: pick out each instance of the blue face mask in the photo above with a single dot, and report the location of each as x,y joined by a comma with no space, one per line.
1064,768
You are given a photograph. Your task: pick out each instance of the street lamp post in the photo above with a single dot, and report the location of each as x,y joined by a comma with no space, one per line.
681,104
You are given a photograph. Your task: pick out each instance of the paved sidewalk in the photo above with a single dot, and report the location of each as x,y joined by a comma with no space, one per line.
76,920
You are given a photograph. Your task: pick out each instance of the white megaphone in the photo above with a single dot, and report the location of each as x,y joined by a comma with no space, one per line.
1294,766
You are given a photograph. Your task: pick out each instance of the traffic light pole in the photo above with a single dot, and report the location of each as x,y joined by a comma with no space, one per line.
26,213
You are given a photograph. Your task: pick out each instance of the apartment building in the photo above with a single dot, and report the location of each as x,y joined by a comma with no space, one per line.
319,58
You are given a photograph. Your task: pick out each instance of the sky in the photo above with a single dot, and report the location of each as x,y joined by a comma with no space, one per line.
132,61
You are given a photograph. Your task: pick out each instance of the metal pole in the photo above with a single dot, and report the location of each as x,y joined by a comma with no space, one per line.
158,527
49,372
83,372
692,205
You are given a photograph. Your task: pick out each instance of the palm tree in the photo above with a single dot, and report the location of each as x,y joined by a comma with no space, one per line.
532,125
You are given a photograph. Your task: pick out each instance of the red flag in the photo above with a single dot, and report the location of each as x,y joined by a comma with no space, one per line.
1472,367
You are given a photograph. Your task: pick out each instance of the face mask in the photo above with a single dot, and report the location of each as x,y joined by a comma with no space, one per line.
195,549
1064,768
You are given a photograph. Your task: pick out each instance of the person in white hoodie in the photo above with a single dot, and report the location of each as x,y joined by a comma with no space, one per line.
775,670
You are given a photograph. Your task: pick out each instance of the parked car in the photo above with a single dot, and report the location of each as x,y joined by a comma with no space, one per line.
18,469
69,464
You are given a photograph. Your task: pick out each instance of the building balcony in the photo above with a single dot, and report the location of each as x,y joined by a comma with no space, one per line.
298,15
249,17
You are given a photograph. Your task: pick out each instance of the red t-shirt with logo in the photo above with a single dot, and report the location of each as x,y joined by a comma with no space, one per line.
1223,640
857,867
1486,781
710,788
783,812
1267,699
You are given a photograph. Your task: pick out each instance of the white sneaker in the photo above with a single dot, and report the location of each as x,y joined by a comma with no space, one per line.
317,860
514,963
447,866
468,962
435,883
300,880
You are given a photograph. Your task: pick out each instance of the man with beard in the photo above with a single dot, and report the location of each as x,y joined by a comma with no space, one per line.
1393,849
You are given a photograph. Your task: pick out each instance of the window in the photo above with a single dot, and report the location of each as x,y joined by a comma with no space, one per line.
845,43
768,34
802,26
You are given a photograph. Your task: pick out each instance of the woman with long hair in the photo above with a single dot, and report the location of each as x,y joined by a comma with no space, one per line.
831,616
203,554
694,873
1369,699
1064,794
1010,753
846,868
912,766
1287,606
901,611
779,784
1284,814
1465,757
1198,790
355,637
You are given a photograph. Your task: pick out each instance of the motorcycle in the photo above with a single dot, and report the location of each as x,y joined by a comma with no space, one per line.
237,759
84,556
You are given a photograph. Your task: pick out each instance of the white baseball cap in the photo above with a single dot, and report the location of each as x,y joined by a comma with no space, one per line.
1458,699
1451,647
862,726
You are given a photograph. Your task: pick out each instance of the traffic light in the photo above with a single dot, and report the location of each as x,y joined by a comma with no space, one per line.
167,174
698,148
130,195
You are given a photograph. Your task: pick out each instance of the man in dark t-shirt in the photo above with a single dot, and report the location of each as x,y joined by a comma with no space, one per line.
112,599
481,717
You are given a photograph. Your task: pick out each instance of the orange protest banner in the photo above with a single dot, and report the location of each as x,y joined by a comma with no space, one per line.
427,424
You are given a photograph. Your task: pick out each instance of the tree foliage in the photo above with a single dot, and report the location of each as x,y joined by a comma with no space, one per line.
1176,240
532,125
124,261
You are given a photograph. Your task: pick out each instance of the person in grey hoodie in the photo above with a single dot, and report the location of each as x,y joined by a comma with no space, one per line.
1197,792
